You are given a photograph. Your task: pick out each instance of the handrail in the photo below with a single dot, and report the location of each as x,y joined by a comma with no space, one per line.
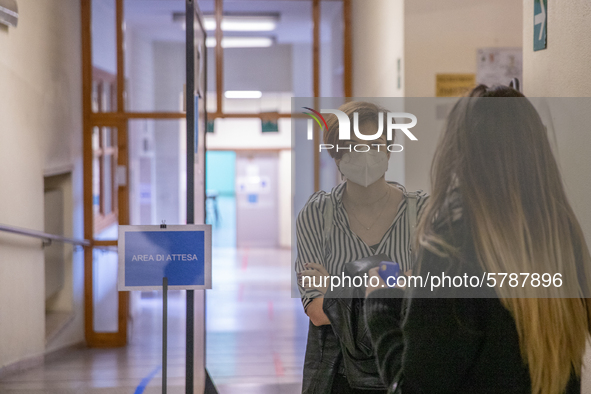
44,236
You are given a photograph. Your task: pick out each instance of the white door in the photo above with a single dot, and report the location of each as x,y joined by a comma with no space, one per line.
257,208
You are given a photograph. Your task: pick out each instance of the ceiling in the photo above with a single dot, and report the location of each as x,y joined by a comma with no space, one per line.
153,18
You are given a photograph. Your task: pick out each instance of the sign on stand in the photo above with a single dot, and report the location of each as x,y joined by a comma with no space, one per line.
163,257
147,254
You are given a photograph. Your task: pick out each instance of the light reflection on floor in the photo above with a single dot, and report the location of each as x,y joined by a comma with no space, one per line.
256,333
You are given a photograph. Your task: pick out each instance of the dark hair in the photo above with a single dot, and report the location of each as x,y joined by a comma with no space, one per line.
494,91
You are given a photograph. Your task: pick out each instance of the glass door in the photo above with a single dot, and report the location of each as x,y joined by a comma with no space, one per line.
134,140
106,191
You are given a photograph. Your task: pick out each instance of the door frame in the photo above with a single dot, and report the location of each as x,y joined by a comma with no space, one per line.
119,119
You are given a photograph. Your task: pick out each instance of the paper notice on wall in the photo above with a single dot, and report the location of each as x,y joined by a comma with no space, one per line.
498,66
453,85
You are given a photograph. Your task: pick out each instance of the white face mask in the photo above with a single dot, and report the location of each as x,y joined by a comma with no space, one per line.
364,168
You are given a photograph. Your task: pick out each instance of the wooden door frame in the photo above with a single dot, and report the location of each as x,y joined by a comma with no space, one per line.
119,119
101,119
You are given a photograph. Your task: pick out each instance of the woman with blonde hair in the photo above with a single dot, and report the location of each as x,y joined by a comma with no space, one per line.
498,206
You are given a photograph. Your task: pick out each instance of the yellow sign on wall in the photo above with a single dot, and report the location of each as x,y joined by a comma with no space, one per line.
454,85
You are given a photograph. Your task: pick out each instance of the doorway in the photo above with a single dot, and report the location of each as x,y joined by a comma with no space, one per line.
257,208
220,206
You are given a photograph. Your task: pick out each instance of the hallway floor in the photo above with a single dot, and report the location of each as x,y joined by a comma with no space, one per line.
256,337
256,333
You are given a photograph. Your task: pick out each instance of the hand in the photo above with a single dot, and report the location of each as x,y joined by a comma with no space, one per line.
374,272
314,274
315,312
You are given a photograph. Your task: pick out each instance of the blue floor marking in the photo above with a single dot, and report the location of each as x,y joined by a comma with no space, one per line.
146,380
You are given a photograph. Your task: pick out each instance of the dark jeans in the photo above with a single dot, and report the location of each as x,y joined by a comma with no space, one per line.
341,386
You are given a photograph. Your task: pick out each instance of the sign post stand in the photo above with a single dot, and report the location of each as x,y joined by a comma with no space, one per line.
164,331
190,312
176,257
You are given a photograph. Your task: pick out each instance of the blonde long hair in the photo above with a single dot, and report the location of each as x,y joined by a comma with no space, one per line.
495,153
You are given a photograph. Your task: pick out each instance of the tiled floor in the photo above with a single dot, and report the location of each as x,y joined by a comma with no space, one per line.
255,338
259,337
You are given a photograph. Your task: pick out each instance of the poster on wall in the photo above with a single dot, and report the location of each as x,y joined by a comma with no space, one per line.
498,66
453,85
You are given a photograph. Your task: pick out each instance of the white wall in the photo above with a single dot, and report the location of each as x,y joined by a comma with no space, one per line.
40,133
378,42
139,64
285,198
240,134
265,69
169,78
302,155
443,36
429,37
335,50
562,70
169,75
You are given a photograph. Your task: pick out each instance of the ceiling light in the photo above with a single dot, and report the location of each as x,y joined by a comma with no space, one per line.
209,23
241,42
243,94
9,13
243,23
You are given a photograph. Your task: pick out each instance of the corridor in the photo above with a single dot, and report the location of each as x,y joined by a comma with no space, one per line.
256,337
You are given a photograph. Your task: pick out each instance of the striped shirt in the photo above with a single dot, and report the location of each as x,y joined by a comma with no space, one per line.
342,244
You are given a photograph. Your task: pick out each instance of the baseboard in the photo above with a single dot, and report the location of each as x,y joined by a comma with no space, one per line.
36,361
55,323
59,352
22,365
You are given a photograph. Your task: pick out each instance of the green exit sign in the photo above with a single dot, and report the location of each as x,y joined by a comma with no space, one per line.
540,24
269,126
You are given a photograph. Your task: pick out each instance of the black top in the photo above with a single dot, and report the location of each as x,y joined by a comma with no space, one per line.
447,345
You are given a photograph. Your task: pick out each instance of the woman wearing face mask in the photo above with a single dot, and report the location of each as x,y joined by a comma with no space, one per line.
367,217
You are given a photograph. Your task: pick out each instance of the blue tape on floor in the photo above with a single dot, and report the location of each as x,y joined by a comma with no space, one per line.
146,380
